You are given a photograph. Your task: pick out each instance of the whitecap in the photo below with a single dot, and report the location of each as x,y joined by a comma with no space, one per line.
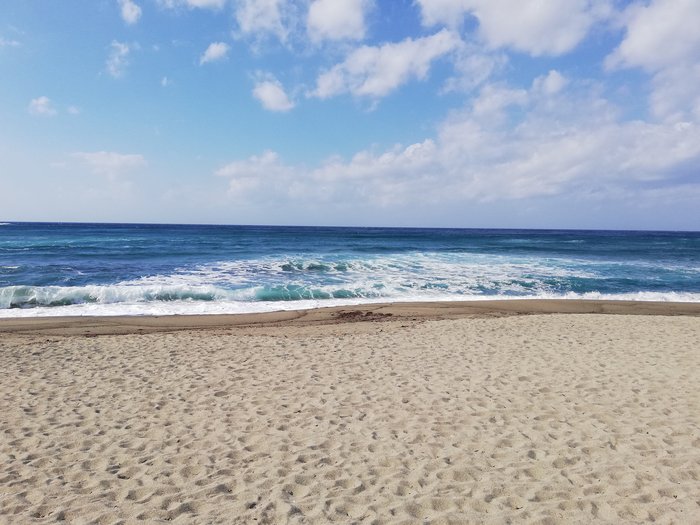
186,307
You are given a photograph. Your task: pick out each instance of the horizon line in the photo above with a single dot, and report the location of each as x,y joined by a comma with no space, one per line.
355,227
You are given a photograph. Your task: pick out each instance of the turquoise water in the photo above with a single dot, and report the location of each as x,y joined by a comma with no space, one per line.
109,269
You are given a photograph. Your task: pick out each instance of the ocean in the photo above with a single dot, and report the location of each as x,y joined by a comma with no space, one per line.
147,269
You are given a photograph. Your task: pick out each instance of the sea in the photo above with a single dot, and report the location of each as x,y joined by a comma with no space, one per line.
152,269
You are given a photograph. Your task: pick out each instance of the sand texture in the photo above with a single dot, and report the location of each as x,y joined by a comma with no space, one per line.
557,418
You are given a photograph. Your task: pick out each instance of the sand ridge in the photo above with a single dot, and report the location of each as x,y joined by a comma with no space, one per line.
533,419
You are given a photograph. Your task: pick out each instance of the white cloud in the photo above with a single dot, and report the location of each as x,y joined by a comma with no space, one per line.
662,37
118,59
270,92
473,67
8,43
376,71
73,110
337,19
215,51
675,95
41,107
551,83
661,34
206,4
485,153
259,18
543,27
130,11
165,81
109,163
256,172
493,99
396,177
201,4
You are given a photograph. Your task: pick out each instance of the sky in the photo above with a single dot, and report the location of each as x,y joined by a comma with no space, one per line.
442,113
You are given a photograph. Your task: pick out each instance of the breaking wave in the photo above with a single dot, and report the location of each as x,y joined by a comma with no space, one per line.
115,270
296,283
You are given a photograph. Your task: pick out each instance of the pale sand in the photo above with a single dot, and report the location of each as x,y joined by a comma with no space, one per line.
479,417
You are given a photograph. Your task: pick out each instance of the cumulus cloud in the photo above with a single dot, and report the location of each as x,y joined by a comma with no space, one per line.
118,59
376,71
493,99
337,19
255,172
661,34
216,51
261,18
662,38
130,11
41,107
109,163
551,83
270,92
545,27
488,153
396,177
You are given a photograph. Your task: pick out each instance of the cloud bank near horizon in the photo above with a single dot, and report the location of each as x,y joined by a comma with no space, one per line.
595,100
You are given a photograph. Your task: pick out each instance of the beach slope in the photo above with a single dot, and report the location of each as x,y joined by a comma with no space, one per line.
448,413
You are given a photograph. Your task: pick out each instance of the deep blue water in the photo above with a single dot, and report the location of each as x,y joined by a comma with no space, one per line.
52,268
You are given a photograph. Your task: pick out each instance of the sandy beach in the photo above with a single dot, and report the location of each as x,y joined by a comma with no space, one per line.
490,412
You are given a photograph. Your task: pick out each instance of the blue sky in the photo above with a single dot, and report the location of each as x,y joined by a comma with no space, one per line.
462,113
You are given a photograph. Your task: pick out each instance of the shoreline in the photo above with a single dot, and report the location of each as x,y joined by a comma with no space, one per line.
372,312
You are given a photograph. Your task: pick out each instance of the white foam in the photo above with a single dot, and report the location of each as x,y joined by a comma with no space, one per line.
159,308
53,296
462,273
229,287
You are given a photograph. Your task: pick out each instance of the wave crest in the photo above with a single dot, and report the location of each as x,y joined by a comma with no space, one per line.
33,296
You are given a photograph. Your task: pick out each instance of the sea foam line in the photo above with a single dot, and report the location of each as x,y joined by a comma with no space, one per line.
244,307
